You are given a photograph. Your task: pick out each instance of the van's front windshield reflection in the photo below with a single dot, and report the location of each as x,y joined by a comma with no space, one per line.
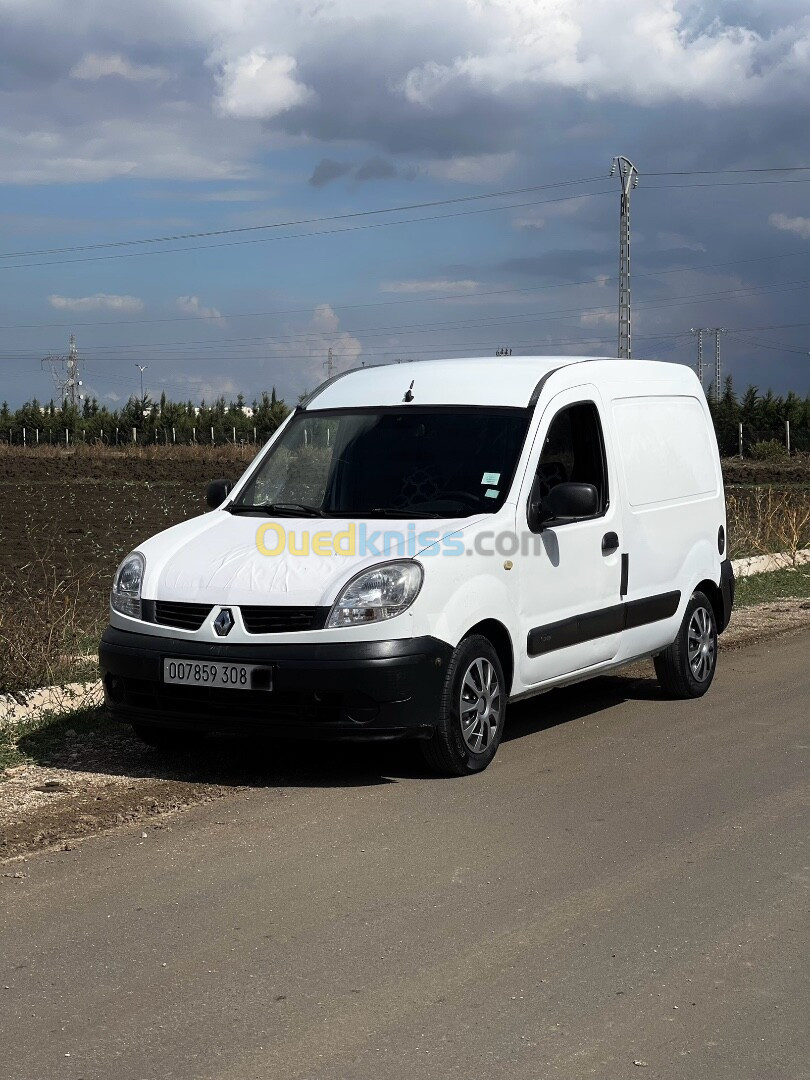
410,462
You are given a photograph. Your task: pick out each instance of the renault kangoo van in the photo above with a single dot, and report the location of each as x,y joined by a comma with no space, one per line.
420,544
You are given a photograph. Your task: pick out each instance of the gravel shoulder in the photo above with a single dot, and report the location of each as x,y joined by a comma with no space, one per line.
86,775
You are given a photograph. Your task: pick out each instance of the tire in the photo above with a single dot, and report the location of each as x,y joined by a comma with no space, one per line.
686,668
163,738
473,708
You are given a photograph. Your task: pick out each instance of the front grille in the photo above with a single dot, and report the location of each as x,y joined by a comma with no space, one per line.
283,620
181,616
257,619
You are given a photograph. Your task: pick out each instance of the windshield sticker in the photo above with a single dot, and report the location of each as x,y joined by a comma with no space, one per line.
492,493
490,478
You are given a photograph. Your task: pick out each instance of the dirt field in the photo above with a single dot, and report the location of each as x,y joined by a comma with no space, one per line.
67,518
781,473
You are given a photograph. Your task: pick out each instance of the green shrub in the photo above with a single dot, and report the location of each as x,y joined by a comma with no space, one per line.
769,450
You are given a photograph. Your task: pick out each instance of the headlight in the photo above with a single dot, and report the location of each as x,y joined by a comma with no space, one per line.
126,591
379,593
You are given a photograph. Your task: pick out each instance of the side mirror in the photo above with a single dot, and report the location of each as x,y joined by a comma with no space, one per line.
564,503
217,492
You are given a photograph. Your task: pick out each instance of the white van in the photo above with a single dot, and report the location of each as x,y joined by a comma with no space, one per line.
420,544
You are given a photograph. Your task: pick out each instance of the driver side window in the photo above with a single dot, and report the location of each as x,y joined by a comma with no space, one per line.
573,452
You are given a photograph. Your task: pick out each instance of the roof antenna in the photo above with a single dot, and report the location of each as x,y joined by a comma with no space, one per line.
409,392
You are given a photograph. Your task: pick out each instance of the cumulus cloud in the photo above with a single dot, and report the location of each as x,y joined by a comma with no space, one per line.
456,86
798,225
190,305
96,302
436,285
256,86
657,50
307,349
101,65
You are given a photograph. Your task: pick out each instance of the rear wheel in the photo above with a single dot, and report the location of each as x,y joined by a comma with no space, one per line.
686,668
473,707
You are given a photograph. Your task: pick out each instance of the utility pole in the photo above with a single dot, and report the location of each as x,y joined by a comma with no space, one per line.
142,368
65,372
628,179
330,364
699,331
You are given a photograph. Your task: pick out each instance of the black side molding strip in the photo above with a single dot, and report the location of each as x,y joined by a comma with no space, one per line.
602,623
535,394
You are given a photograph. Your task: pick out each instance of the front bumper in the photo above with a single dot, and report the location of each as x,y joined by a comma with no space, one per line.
337,690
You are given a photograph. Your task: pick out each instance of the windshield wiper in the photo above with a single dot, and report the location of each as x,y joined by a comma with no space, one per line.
283,509
400,512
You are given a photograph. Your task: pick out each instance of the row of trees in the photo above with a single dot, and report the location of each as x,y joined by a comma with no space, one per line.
143,421
762,416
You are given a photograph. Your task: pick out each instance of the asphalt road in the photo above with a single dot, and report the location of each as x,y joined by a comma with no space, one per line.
622,894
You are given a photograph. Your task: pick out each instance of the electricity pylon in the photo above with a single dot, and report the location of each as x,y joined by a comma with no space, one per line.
65,372
718,372
628,178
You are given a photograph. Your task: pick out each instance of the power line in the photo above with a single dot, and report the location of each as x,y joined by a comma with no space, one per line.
332,232
171,238
723,172
298,236
303,221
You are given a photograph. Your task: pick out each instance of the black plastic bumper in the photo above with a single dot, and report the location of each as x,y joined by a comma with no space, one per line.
356,690
727,585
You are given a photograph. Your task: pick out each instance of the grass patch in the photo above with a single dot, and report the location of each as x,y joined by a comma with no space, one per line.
773,585
766,519
44,737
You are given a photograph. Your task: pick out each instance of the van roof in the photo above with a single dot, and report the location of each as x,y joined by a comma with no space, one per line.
472,380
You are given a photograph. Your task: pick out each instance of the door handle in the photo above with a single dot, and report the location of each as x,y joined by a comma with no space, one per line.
610,543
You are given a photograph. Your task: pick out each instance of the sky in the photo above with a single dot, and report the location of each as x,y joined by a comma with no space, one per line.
223,190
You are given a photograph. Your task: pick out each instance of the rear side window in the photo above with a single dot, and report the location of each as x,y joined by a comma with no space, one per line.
666,449
573,451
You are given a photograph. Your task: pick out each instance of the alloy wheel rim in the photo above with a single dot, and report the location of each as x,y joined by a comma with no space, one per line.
701,644
480,705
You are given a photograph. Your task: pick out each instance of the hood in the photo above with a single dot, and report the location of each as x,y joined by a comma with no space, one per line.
221,558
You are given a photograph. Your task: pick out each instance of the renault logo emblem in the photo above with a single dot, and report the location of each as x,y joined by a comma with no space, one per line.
223,623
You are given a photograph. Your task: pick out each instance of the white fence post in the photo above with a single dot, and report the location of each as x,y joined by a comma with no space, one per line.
787,435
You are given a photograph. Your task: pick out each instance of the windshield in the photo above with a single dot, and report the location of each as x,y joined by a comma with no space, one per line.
433,462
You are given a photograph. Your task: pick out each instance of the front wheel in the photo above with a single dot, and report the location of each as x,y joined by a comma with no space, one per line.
686,668
473,708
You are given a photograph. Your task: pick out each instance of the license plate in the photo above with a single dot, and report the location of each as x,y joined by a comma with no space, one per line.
217,674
